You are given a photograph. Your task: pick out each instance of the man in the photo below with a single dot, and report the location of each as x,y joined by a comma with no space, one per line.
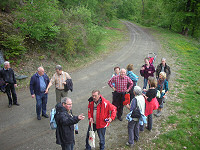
59,78
38,85
121,83
65,124
100,114
9,77
163,67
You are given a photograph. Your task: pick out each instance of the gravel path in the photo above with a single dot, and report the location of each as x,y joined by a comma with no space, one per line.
20,130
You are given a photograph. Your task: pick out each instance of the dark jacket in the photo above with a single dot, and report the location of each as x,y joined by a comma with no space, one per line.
35,83
8,76
166,70
65,125
145,73
69,85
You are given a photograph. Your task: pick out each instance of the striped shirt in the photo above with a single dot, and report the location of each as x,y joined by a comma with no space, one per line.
121,83
59,79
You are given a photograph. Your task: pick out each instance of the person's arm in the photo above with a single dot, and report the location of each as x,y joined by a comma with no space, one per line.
110,83
113,110
133,104
50,83
14,79
90,111
31,87
130,84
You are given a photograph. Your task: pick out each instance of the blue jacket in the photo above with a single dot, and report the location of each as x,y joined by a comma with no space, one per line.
35,83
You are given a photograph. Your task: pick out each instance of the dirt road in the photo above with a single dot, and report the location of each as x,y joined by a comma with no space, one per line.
19,128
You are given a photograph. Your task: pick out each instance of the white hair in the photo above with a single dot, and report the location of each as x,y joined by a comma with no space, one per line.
137,90
163,59
39,68
65,99
6,62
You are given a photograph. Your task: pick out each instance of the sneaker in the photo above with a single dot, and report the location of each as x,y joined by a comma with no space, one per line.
45,115
128,144
38,118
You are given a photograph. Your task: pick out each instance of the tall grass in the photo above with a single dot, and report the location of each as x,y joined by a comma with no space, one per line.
185,122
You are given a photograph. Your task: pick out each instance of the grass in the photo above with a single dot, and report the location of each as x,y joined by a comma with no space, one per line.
184,124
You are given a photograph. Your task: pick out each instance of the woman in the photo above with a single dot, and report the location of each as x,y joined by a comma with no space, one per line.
162,90
133,126
151,101
133,77
146,71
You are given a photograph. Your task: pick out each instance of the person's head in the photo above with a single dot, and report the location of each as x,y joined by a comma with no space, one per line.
117,70
67,103
58,69
137,91
95,95
152,81
163,61
6,64
162,76
41,71
146,60
129,67
123,72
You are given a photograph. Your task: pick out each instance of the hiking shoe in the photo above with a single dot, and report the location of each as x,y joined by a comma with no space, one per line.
158,114
128,144
45,115
17,104
38,118
9,106
120,118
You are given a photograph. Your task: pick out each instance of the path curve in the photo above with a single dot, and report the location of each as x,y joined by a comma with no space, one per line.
19,128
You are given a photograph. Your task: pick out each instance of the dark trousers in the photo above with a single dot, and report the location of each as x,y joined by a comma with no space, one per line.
118,99
41,103
131,94
101,133
10,89
149,122
133,131
67,146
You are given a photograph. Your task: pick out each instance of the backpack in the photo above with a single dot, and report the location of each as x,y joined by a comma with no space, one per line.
53,124
136,112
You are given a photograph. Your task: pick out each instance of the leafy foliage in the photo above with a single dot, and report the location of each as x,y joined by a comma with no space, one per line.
37,19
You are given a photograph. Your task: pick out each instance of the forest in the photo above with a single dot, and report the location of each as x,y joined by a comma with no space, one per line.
74,28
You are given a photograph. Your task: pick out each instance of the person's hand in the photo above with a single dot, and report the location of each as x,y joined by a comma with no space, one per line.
91,120
142,68
15,85
81,117
64,83
46,91
164,96
149,72
128,106
109,120
114,88
145,90
33,96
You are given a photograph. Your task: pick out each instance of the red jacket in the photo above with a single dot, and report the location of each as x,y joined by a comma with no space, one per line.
103,111
150,106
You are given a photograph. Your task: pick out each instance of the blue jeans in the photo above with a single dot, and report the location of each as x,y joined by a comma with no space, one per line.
67,146
145,83
101,133
41,103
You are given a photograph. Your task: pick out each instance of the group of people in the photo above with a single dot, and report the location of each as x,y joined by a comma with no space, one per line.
100,111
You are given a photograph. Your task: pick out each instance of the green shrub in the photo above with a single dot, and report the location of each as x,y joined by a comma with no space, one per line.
37,19
13,45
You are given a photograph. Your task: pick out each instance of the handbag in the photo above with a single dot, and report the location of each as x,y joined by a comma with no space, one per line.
136,112
92,137
127,99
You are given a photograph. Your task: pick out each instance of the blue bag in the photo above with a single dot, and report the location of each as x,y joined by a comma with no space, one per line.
53,124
